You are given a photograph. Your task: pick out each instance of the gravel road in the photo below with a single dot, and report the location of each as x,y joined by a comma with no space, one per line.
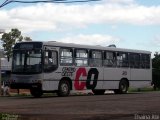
131,106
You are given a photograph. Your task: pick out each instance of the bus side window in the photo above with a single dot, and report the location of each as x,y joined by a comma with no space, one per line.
109,59
122,59
131,60
134,59
95,58
148,61
137,61
66,56
145,61
50,61
81,57
119,60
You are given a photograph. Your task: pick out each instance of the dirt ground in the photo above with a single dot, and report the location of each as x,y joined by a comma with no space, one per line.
132,106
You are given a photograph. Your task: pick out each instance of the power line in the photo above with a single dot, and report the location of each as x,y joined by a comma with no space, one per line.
4,3
45,1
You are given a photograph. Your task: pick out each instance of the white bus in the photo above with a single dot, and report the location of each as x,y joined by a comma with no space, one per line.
62,67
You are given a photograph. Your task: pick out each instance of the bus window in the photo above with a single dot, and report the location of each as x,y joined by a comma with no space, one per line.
50,61
109,59
96,58
81,57
66,56
28,61
134,60
131,60
137,61
122,59
145,61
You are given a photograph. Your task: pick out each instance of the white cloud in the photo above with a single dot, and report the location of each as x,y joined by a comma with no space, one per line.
95,39
47,17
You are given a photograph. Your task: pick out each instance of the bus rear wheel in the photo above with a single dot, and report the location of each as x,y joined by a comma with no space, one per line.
98,92
63,89
36,92
123,87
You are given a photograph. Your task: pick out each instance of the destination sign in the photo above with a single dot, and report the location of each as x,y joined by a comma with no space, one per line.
26,46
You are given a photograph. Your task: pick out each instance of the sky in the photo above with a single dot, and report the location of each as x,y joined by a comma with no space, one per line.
133,24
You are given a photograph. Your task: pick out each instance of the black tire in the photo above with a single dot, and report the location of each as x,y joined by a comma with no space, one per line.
123,86
63,89
98,92
36,92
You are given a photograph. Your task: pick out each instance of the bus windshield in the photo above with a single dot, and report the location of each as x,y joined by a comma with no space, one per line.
27,61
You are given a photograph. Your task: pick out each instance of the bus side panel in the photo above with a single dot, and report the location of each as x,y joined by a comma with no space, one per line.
100,78
112,77
140,78
93,74
51,80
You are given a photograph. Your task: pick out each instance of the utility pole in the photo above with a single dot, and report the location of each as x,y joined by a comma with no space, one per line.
1,32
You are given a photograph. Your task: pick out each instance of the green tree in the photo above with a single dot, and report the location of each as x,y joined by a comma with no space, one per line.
156,71
9,39
156,61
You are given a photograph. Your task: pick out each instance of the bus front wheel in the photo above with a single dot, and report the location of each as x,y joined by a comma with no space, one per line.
63,89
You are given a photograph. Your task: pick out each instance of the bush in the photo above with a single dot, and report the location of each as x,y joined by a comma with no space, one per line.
156,78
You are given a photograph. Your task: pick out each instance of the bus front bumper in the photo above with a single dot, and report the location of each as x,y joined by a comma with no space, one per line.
24,85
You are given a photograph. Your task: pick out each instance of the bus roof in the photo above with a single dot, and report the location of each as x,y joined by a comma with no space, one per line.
98,47
95,47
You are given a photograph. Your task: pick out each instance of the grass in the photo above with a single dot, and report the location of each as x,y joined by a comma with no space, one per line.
145,89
